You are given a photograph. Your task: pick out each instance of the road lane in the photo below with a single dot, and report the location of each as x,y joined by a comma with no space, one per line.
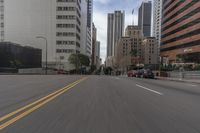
17,91
26,110
116,105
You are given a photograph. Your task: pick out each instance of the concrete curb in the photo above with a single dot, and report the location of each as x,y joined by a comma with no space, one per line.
177,80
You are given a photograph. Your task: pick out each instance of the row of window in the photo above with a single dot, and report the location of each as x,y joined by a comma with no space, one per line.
60,8
185,45
66,0
193,23
167,5
65,42
65,25
64,50
190,14
174,7
180,11
189,34
66,17
58,42
68,34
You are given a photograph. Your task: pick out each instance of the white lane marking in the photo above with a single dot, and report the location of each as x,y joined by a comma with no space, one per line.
191,85
159,93
117,78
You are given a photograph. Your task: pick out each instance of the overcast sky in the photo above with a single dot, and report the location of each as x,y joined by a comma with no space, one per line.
103,7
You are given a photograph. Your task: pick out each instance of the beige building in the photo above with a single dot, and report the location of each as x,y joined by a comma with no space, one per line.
129,49
150,50
135,50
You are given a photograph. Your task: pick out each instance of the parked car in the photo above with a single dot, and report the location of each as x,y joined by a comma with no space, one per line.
147,73
144,73
131,73
139,73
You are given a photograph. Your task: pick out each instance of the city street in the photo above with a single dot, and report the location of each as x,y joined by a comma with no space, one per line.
97,104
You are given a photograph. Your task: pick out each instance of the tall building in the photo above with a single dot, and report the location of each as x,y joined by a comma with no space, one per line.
1,20
63,23
144,18
115,30
110,34
98,58
89,13
70,28
86,36
94,40
180,31
157,17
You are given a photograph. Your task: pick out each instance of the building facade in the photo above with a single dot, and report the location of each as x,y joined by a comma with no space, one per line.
63,23
94,40
150,50
1,20
144,18
132,42
157,17
98,57
110,34
16,56
180,31
135,50
115,30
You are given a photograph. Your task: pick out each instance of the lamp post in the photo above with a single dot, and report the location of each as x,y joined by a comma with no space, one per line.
41,37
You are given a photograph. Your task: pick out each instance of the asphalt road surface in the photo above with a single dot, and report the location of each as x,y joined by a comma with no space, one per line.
97,104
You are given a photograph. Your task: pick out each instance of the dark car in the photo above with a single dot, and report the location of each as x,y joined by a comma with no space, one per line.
139,73
147,73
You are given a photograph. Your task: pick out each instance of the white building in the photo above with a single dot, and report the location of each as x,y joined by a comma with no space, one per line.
1,20
61,22
157,16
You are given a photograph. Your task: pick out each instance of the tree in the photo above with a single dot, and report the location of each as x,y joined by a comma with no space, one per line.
84,60
133,53
79,60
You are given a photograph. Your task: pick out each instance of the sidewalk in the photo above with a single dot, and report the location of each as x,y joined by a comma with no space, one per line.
196,81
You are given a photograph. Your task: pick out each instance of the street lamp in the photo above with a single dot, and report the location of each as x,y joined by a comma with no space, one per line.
41,37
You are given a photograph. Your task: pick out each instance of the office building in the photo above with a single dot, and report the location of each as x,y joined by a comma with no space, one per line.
132,41
94,40
98,58
86,36
115,30
1,20
135,50
16,56
63,23
150,50
144,18
157,17
180,41
89,13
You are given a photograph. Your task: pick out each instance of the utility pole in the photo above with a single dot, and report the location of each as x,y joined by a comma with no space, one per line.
41,37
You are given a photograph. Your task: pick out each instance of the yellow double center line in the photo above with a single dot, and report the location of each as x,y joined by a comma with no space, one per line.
24,111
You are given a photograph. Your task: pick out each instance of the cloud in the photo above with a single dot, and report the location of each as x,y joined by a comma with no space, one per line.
103,1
